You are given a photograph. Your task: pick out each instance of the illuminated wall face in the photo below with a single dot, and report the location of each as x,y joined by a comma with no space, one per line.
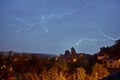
113,64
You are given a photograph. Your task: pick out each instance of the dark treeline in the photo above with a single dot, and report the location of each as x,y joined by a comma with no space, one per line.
113,51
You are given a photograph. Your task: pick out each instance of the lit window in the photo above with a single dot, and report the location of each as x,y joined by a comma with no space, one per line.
56,58
74,60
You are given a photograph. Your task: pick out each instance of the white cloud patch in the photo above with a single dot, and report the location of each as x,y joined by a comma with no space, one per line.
45,28
43,18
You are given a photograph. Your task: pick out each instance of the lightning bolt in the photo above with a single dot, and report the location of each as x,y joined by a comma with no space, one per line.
92,40
22,20
75,11
106,36
30,26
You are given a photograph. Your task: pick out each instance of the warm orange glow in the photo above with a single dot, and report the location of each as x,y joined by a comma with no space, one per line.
11,69
3,67
56,58
74,60
119,60
48,58
15,59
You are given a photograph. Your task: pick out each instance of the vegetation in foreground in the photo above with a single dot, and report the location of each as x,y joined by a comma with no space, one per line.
15,66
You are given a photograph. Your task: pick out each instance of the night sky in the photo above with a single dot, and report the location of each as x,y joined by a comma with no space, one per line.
52,26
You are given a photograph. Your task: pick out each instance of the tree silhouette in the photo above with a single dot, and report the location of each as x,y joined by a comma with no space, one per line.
112,51
67,53
73,51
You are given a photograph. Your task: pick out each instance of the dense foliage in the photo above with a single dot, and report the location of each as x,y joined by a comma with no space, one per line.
113,51
16,66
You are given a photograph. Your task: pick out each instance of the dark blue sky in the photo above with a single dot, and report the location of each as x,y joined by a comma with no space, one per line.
52,26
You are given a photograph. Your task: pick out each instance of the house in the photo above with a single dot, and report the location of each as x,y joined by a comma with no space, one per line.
107,61
102,56
111,62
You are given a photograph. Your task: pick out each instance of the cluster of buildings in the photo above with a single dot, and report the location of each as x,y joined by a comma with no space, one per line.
104,58
109,62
